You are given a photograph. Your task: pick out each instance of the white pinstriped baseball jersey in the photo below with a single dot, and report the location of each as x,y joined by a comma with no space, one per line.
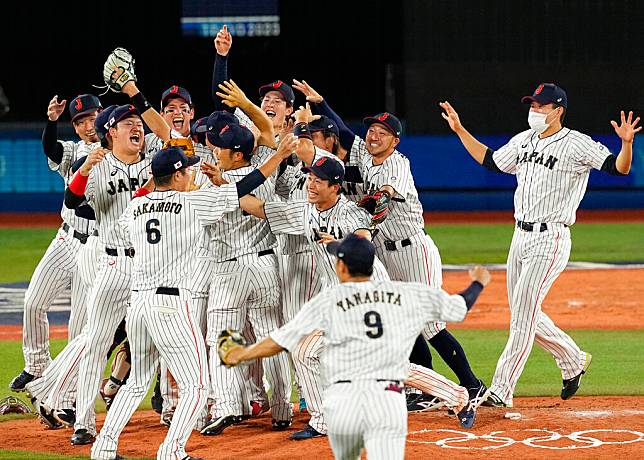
303,218
552,173
109,191
72,151
370,327
405,217
239,233
164,227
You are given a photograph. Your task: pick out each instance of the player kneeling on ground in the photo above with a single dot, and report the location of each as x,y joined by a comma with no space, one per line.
377,321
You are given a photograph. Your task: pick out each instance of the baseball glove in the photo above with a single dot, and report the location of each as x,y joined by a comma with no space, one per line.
118,70
12,405
184,143
227,341
377,205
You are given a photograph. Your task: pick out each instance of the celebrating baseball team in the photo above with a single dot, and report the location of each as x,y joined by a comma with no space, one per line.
234,260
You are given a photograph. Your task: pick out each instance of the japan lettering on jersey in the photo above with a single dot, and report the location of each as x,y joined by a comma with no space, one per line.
303,218
72,151
405,217
165,227
370,327
109,191
552,173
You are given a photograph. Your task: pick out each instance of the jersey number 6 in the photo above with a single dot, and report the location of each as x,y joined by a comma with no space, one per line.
373,320
154,235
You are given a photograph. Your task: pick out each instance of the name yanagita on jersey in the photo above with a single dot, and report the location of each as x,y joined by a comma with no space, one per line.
360,298
161,206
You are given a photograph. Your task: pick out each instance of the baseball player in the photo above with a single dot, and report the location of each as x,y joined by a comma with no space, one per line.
164,227
551,164
402,243
370,327
58,267
245,286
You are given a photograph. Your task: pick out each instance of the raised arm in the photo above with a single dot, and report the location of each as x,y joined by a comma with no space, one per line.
232,96
346,135
475,148
52,148
223,41
305,149
626,132
152,118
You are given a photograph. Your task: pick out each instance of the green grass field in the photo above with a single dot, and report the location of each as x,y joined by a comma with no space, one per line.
618,364
458,244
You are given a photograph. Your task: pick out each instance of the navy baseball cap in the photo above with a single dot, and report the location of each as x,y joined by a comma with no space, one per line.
235,137
386,119
327,168
85,104
547,93
121,113
356,252
215,123
324,123
198,130
102,121
175,92
170,160
283,88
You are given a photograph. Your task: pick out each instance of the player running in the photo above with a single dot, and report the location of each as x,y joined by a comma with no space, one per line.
551,164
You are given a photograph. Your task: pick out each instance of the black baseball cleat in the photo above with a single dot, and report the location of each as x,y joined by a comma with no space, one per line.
45,416
281,425
82,437
570,386
188,457
307,433
423,402
467,415
219,424
493,400
19,382
65,416
478,394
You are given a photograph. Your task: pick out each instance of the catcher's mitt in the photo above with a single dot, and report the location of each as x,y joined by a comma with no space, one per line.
377,205
12,405
118,70
227,341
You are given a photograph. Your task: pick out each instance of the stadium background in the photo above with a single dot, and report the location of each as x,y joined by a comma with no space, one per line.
400,56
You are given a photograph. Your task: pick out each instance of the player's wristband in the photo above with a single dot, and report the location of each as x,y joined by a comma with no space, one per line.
301,130
78,184
250,182
139,101
471,293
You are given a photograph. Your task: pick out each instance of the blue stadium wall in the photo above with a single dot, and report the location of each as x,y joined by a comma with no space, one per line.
445,175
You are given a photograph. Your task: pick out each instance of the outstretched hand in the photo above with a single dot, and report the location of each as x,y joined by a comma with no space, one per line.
628,127
304,114
55,108
451,116
310,94
232,95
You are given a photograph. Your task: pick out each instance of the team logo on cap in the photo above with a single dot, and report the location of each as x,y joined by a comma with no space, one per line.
539,89
177,165
321,161
224,129
277,84
79,104
383,117
174,89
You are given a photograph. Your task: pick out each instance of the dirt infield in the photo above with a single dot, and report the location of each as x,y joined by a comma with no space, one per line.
604,427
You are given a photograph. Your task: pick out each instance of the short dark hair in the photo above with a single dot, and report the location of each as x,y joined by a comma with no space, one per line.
354,272
163,181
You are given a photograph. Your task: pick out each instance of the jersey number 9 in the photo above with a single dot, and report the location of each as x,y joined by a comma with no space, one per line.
373,321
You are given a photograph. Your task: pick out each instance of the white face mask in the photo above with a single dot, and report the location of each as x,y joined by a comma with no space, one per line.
537,121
